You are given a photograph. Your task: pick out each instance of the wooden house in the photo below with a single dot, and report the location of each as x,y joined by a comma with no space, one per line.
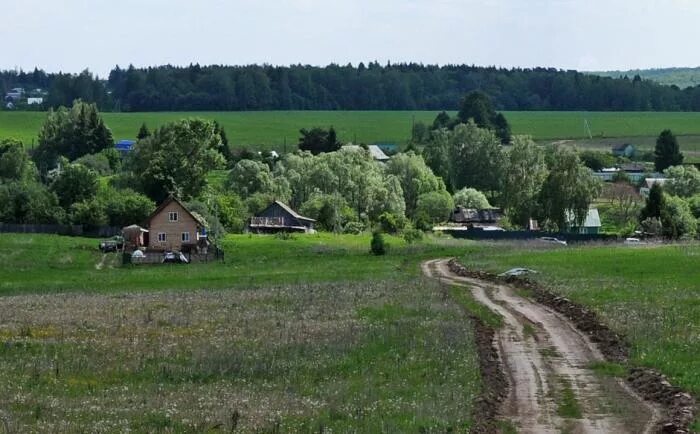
279,217
172,227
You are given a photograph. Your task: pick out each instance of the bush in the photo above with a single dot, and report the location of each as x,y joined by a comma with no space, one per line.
354,228
436,206
377,245
126,207
391,223
471,198
412,235
88,212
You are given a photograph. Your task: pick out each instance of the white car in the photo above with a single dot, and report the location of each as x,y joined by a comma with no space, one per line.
634,241
553,240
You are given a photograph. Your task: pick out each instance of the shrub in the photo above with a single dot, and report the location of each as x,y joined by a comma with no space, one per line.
412,235
391,223
377,245
436,206
471,198
354,228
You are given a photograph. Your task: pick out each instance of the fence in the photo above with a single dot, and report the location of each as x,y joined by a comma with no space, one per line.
527,235
72,230
213,254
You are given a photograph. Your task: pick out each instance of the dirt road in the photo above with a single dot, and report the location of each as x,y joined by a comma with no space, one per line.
547,361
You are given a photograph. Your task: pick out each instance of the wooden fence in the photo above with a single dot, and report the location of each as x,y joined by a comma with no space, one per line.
213,254
527,235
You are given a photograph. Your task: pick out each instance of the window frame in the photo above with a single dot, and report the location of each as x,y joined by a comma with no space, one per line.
182,237
162,237
173,216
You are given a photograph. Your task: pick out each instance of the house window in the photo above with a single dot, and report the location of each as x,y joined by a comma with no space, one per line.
172,216
185,237
162,237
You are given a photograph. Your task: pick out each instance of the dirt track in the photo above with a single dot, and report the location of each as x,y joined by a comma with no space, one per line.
547,363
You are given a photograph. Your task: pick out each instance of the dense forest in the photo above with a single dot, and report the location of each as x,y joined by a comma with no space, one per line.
363,87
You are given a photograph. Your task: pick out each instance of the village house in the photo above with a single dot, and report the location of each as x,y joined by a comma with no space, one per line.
486,219
172,227
279,217
623,150
590,226
125,146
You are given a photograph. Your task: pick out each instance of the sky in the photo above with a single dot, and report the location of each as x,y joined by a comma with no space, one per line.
71,35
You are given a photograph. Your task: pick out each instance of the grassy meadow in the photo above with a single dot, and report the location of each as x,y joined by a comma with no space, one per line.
270,129
46,263
288,335
650,294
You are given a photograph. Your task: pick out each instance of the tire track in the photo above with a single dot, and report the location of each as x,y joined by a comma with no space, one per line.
546,360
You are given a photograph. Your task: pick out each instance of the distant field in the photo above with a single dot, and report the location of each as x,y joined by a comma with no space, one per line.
271,129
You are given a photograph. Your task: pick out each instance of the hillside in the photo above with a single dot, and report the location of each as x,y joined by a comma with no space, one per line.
681,77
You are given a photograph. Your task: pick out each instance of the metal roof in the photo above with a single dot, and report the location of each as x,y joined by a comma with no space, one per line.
592,218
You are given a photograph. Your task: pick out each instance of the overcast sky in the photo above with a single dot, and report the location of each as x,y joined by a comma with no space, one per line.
71,35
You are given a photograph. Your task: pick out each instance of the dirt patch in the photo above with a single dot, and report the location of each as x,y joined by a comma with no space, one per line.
495,384
680,407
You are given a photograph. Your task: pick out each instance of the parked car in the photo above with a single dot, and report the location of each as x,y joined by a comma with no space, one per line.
107,246
112,245
634,241
553,240
174,258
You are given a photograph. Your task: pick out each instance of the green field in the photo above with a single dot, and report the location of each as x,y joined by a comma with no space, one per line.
369,347
271,129
649,294
42,263
297,334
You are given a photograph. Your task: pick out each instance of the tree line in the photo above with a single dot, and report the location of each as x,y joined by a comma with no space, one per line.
408,86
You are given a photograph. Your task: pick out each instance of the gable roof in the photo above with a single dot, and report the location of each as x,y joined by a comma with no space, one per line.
125,145
377,153
167,202
294,214
592,219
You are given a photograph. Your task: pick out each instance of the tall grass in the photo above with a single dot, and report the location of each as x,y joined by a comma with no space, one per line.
364,357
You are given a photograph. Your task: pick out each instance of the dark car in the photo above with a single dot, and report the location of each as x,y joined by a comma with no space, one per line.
174,258
112,245
108,246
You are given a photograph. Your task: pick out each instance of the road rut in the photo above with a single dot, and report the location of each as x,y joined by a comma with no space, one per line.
547,360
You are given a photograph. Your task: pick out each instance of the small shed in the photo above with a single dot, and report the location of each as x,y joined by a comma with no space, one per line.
623,150
377,153
591,224
279,217
134,237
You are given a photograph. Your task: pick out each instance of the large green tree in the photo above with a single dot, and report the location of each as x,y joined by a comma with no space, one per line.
71,133
478,107
568,190
524,175
176,158
318,140
74,183
476,159
667,153
14,161
683,181
415,178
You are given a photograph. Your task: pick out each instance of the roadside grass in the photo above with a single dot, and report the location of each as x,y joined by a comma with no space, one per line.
567,405
649,294
380,356
609,369
34,263
272,129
